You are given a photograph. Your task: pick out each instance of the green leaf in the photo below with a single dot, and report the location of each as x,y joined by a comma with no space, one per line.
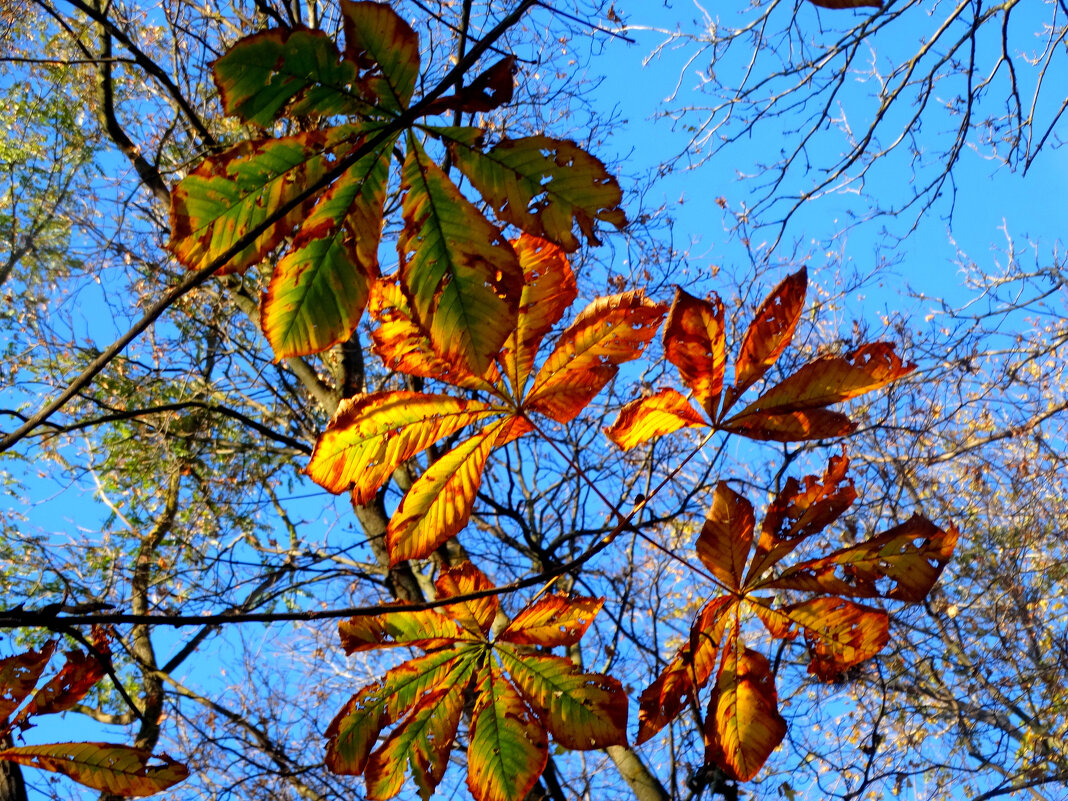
543,186
319,289
462,279
230,195
262,74
508,748
582,710
385,48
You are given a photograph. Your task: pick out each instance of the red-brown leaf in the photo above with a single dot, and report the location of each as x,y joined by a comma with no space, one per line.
842,4
694,342
490,90
654,416
727,536
803,426
19,675
769,333
903,564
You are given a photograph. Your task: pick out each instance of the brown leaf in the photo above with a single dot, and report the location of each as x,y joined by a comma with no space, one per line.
490,90
842,4
725,539
694,342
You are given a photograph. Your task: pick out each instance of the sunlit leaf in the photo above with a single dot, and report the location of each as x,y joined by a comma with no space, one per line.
687,672
743,725
386,50
549,288
799,510
553,620
830,379
116,769
371,435
769,333
422,740
262,74
420,628
540,185
405,347
476,614
647,418
610,331
352,733
582,710
727,535
462,279
230,195
19,675
319,289
839,633
508,747
903,564
800,426
694,342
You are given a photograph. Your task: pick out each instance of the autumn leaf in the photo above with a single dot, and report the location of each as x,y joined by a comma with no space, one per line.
842,4
371,435
744,725
769,333
319,289
646,418
490,90
609,332
519,697
117,769
385,49
694,341
18,677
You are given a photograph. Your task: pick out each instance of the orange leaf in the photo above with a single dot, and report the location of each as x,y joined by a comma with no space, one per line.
797,513
687,672
548,290
727,535
404,346
769,333
655,416
694,343
553,620
420,628
438,504
839,633
475,615
371,435
19,675
610,331
508,748
63,691
792,426
904,563
743,725
830,379
112,769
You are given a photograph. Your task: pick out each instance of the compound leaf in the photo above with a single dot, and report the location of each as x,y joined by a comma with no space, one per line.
114,769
